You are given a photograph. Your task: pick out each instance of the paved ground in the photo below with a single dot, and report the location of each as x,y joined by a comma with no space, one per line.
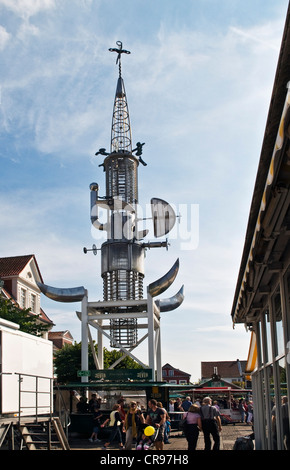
177,441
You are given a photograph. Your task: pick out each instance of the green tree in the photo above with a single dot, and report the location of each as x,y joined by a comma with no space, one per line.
67,362
27,321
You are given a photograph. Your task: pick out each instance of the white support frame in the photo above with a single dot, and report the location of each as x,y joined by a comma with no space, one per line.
92,315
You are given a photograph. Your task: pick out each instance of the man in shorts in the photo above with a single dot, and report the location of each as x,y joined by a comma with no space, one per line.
156,417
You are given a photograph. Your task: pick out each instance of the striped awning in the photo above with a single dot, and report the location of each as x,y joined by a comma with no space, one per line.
252,355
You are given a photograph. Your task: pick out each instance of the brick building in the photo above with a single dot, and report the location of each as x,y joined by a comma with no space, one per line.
174,376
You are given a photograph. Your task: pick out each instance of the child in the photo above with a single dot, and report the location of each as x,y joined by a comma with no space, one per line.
144,443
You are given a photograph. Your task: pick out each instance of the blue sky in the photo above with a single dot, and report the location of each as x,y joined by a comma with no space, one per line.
198,82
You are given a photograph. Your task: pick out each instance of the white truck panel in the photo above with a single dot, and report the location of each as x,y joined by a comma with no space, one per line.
21,353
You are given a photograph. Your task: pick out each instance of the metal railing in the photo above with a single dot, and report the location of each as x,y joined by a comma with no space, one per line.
34,405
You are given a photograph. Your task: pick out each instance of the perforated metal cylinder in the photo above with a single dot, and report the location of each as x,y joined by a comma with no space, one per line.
121,177
122,270
123,274
124,332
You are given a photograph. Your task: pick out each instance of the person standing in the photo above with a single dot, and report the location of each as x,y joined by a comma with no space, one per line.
167,423
285,423
186,404
211,424
97,414
92,403
171,406
177,405
133,421
250,413
82,405
193,426
242,410
156,418
122,412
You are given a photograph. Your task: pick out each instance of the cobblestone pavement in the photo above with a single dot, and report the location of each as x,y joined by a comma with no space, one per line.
177,441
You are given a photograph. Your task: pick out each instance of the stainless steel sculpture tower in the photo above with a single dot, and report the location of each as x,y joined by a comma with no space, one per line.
122,254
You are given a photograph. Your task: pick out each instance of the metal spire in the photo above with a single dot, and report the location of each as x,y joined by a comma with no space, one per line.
121,140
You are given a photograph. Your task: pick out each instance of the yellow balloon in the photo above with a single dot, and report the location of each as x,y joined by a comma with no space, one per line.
149,431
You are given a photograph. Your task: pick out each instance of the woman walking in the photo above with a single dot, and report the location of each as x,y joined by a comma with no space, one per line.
193,426
115,423
133,421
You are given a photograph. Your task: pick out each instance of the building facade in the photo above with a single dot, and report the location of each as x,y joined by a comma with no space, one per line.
262,294
19,276
60,339
230,371
174,376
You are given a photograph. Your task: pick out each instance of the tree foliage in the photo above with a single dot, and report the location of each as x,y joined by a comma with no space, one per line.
67,362
27,321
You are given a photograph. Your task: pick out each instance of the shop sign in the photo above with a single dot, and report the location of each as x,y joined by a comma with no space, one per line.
123,375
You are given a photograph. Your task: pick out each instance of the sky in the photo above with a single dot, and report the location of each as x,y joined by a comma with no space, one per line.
198,82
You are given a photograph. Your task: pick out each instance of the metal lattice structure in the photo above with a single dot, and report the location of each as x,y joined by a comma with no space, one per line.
121,139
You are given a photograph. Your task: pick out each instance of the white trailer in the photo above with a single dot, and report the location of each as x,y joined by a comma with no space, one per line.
26,373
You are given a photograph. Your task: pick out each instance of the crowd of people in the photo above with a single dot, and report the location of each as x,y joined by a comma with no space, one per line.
128,426
245,408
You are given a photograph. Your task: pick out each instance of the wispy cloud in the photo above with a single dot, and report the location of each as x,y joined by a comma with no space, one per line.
28,8
257,36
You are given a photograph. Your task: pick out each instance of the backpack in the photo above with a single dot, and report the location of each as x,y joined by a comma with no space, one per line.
211,414
243,443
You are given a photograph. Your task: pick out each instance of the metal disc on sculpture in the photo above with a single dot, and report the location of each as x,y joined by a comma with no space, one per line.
163,216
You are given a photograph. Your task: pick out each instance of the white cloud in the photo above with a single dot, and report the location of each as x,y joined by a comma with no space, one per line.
4,37
256,35
27,8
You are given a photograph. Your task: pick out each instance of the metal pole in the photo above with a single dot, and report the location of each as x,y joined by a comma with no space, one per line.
85,348
151,344
100,346
36,398
158,355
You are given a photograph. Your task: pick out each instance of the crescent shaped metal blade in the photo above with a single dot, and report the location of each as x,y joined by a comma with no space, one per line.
71,294
159,286
166,305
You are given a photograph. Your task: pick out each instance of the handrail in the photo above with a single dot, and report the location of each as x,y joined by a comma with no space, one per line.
37,393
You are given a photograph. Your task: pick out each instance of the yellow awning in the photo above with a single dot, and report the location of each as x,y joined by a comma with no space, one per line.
252,355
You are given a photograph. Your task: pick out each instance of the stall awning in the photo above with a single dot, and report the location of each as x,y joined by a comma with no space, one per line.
252,355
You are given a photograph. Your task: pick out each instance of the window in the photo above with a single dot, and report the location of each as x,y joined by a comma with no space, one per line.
22,297
33,303
171,373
